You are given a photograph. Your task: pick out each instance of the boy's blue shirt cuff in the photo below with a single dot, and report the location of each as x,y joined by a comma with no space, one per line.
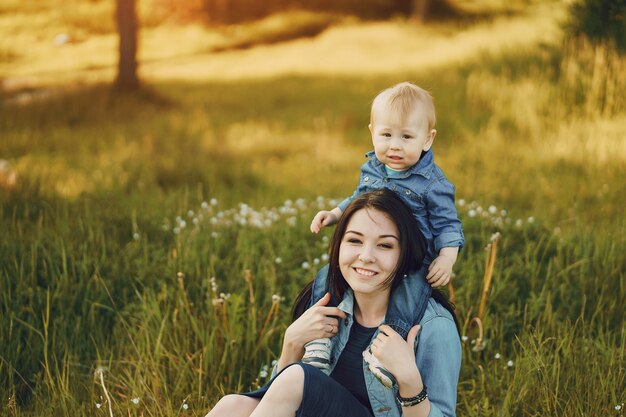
449,240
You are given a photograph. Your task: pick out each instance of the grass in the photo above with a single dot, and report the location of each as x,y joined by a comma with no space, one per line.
127,206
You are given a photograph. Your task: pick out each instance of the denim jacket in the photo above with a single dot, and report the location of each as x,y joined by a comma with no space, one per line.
428,193
437,355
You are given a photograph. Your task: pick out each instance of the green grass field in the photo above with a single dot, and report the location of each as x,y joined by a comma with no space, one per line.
151,244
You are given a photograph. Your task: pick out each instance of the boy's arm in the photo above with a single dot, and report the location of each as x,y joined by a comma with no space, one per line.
443,218
446,227
325,218
440,270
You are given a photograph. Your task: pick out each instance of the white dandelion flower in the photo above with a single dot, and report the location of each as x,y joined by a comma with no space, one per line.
497,356
306,265
471,213
464,338
461,202
98,405
135,400
136,236
324,257
185,406
278,260
531,219
492,209
213,202
509,364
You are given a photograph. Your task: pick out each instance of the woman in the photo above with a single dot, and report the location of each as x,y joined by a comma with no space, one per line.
373,248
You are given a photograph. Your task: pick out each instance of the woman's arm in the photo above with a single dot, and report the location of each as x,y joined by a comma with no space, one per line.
438,357
436,364
315,323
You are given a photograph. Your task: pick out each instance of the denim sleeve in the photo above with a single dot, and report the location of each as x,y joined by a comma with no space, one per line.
443,217
438,358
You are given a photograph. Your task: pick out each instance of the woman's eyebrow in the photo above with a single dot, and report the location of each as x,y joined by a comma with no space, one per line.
380,237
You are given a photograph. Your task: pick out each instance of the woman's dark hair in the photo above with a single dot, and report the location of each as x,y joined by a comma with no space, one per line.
412,247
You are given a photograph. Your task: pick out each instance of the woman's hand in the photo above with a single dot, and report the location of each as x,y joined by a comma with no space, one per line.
398,357
315,323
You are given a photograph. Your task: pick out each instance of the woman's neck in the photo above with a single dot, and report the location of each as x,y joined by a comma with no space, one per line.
370,309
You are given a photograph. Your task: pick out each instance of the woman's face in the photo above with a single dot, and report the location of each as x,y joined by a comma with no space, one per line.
369,251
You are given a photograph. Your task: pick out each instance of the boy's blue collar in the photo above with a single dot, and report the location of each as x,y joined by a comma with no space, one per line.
423,167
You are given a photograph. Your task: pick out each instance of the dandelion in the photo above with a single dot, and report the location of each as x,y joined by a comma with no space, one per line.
204,205
325,239
274,362
316,261
509,364
291,221
471,213
277,299
185,406
98,405
182,224
195,221
135,400
531,219
278,260
497,356
190,214
492,209
518,223
618,407
214,235
213,202
461,202
306,265
136,236
464,338
325,257
503,213
176,230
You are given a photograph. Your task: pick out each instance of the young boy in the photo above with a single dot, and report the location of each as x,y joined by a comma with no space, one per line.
402,125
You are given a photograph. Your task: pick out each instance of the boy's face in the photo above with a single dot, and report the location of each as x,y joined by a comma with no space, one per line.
399,142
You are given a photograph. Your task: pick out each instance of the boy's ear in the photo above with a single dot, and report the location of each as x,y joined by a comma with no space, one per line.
429,141
369,126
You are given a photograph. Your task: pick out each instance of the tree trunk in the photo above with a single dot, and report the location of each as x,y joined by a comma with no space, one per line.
126,18
420,10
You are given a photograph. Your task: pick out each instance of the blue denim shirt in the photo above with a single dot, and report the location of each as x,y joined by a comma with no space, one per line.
428,193
437,355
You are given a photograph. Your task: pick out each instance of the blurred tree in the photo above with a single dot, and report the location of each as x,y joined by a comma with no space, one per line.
126,18
419,9
600,20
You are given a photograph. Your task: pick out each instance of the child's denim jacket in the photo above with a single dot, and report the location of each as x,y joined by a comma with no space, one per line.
428,193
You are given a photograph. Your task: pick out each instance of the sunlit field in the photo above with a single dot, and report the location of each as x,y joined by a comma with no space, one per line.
151,244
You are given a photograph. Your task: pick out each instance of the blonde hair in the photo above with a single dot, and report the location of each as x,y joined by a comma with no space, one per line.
402,99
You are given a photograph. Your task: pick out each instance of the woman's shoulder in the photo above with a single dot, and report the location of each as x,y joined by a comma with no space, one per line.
437,313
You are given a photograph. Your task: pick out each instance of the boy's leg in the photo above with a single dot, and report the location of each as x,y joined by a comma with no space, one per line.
317,352
406,308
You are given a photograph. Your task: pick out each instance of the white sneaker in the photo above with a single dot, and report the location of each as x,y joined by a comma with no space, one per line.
317,353
383,375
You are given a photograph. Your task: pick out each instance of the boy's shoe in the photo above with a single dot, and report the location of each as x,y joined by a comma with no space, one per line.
317,353
383,375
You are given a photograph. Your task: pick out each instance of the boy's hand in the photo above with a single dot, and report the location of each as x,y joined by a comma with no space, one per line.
322,219
440,271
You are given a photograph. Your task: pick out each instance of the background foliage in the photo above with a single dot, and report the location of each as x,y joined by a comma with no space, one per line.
151,238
